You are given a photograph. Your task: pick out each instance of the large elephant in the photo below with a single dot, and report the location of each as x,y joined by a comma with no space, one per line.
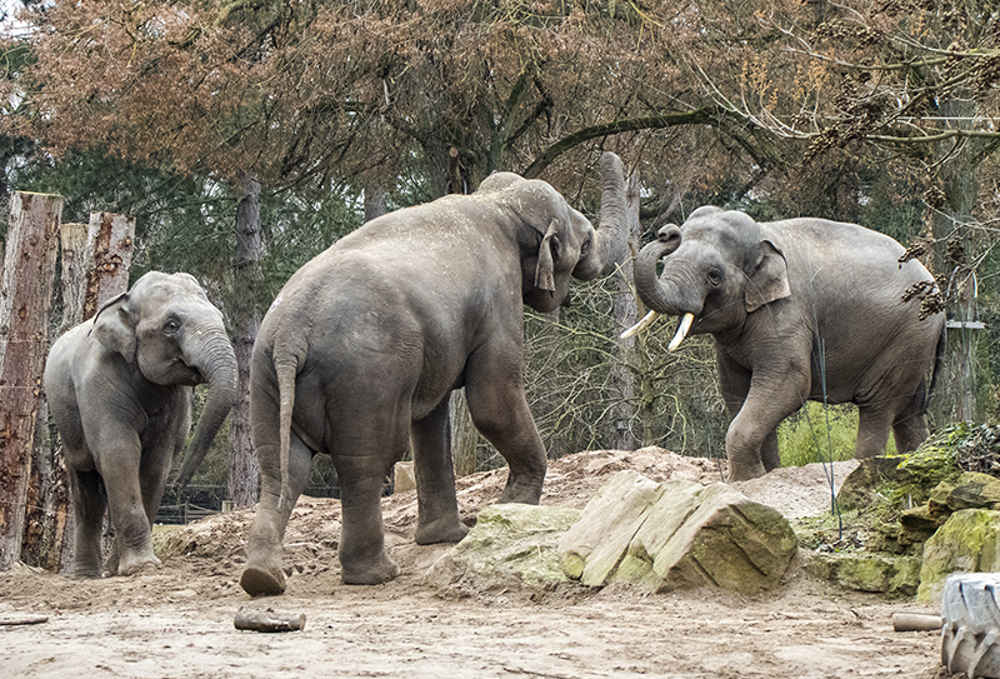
359,352
119,390
799,309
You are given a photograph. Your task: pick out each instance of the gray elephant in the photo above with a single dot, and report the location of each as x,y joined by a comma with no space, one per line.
119,390
797,308
359,352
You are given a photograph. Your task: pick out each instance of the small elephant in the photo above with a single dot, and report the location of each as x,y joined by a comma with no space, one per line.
358,355
799,309
119,390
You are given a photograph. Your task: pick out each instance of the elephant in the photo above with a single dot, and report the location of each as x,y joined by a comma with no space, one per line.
119,389
359,352
800,309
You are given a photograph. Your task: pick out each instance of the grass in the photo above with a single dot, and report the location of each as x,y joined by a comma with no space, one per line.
805,437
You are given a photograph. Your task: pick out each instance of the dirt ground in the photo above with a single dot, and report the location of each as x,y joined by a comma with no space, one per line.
177,621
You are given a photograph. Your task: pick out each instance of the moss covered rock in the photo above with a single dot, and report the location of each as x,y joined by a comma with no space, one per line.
510,543
677,534
971,490
867,572
968,541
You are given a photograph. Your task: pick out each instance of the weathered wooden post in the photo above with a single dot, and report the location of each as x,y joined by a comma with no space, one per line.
625,308
49,517
109,245
25,300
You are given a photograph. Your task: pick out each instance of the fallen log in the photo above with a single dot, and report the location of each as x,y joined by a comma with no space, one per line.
915,622
268,620
24,620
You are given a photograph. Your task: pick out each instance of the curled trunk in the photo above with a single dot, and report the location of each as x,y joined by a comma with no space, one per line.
659,294
214,358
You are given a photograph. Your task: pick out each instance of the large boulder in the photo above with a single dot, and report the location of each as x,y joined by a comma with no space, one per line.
968,541
663,536
511,544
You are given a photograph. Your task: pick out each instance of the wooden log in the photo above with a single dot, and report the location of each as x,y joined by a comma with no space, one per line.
75,261
903,621
109,243
268,620
23,620
25,300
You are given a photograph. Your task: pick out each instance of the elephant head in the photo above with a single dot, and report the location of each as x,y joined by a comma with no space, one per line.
166,328
556,241
721,267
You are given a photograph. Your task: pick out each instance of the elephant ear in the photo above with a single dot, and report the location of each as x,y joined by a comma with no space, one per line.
548,251
114,328
769,280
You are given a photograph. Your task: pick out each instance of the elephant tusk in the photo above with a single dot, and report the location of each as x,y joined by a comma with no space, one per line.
682,331
646,321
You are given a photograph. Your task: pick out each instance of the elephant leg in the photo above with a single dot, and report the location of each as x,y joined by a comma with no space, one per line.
263,575
769,454
873,431
910,426
438,519
499,410
89,504
768,403
363,559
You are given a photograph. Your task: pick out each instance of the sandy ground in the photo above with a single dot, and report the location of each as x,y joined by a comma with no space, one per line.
177,621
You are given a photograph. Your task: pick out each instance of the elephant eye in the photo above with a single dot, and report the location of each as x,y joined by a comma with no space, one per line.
171,326
714,277
585,248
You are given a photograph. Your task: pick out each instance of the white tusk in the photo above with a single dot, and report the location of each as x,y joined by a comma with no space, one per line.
682,331
640,326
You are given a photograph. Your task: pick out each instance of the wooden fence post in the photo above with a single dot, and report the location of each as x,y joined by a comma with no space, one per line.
625,309
109,246
25,300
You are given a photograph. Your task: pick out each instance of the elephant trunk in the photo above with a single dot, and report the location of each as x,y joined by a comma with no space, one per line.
213,356
611,237
661,294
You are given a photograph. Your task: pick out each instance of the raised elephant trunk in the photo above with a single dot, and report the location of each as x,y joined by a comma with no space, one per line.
661,295
611,237
211,353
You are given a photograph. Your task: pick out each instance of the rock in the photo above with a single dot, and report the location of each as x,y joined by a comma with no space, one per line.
971,490
866,572
510,543
917,524
677,534
908,477
968,541
403,478
858,487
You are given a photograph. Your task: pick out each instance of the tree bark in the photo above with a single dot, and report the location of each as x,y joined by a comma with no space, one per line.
110,240
625,309
49,525
244,468
25,300
374,202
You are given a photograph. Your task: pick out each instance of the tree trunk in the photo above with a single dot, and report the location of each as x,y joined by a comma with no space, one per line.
49,533
25,300
374,202
109,255
625,308
956,385
244,468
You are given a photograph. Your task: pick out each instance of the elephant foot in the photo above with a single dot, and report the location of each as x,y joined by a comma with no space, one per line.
83,571
744,472
260,581
523,493
449,529
383,570
131,564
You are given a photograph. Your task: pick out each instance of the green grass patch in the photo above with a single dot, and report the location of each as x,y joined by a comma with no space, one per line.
817,435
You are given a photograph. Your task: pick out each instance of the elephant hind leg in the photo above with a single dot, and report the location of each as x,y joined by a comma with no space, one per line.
910,426
873,431
89,504
263,575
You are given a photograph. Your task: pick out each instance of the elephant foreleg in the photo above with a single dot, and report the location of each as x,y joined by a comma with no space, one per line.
500,411
438,519
89,504
751,442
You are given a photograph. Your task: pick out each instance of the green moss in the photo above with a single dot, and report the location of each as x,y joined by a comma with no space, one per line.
968,541
867,572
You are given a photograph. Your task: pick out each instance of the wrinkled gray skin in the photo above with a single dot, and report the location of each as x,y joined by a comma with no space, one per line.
770,293
361,349
119,390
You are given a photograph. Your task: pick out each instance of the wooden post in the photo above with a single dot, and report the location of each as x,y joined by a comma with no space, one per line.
25,300
109,247
625,310
49,517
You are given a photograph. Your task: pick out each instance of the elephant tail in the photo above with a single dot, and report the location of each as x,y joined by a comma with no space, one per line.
942,346
285,369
